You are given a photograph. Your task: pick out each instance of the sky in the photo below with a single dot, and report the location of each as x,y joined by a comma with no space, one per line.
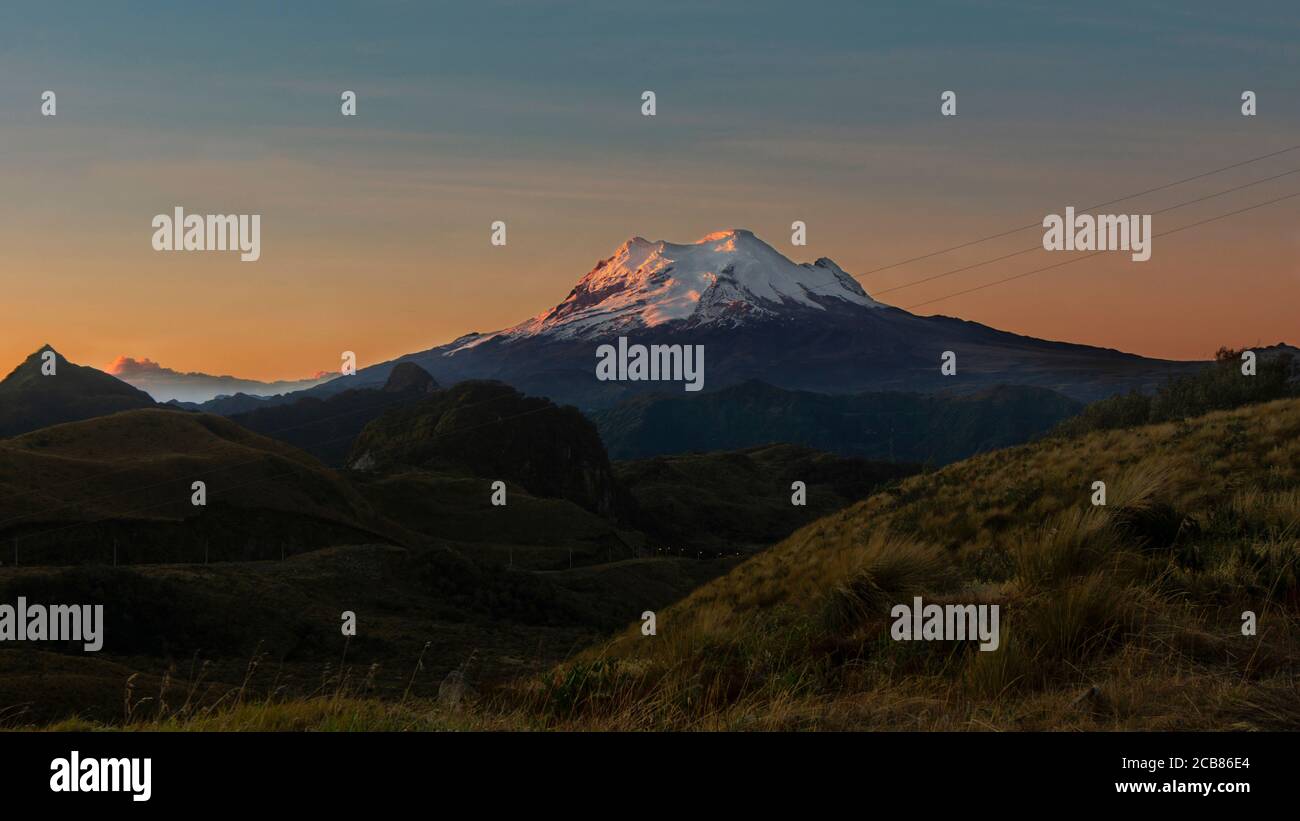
376,228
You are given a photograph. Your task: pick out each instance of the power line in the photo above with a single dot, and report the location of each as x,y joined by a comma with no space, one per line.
1088,208
1039,246
1095,253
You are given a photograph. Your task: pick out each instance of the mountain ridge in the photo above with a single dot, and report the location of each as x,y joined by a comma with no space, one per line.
166,384
31,399
326,426
922,428
806,326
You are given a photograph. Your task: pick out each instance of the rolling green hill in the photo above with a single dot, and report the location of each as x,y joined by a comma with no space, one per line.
69,493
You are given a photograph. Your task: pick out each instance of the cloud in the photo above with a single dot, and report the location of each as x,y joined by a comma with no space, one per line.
129,366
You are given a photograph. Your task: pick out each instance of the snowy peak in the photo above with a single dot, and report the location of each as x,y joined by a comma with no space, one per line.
727,277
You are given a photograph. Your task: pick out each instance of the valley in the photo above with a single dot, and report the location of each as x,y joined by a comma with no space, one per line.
243,594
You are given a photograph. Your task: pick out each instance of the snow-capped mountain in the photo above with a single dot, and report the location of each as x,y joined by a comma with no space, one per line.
726,278
759,315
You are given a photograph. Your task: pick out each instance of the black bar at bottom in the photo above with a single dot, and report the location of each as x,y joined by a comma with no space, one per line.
677,772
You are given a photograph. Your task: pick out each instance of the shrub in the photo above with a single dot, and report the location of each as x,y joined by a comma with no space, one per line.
1219,386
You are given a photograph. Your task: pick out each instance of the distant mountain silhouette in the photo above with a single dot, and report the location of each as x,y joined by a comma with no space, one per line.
904,427
326,427
491,430
229,405
165,384
31,399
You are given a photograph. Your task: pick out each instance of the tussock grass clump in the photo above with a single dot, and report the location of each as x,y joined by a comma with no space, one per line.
1080,620
1073,544
888,570
999,675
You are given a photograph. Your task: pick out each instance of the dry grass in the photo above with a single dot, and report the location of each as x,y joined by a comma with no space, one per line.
1123,617
1126,616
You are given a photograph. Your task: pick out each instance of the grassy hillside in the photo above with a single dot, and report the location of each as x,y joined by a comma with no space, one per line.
69,492
731,502
1127,616
1123,616
529,532
187,640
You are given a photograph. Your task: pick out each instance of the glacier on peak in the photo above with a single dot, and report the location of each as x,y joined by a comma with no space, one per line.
726,277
